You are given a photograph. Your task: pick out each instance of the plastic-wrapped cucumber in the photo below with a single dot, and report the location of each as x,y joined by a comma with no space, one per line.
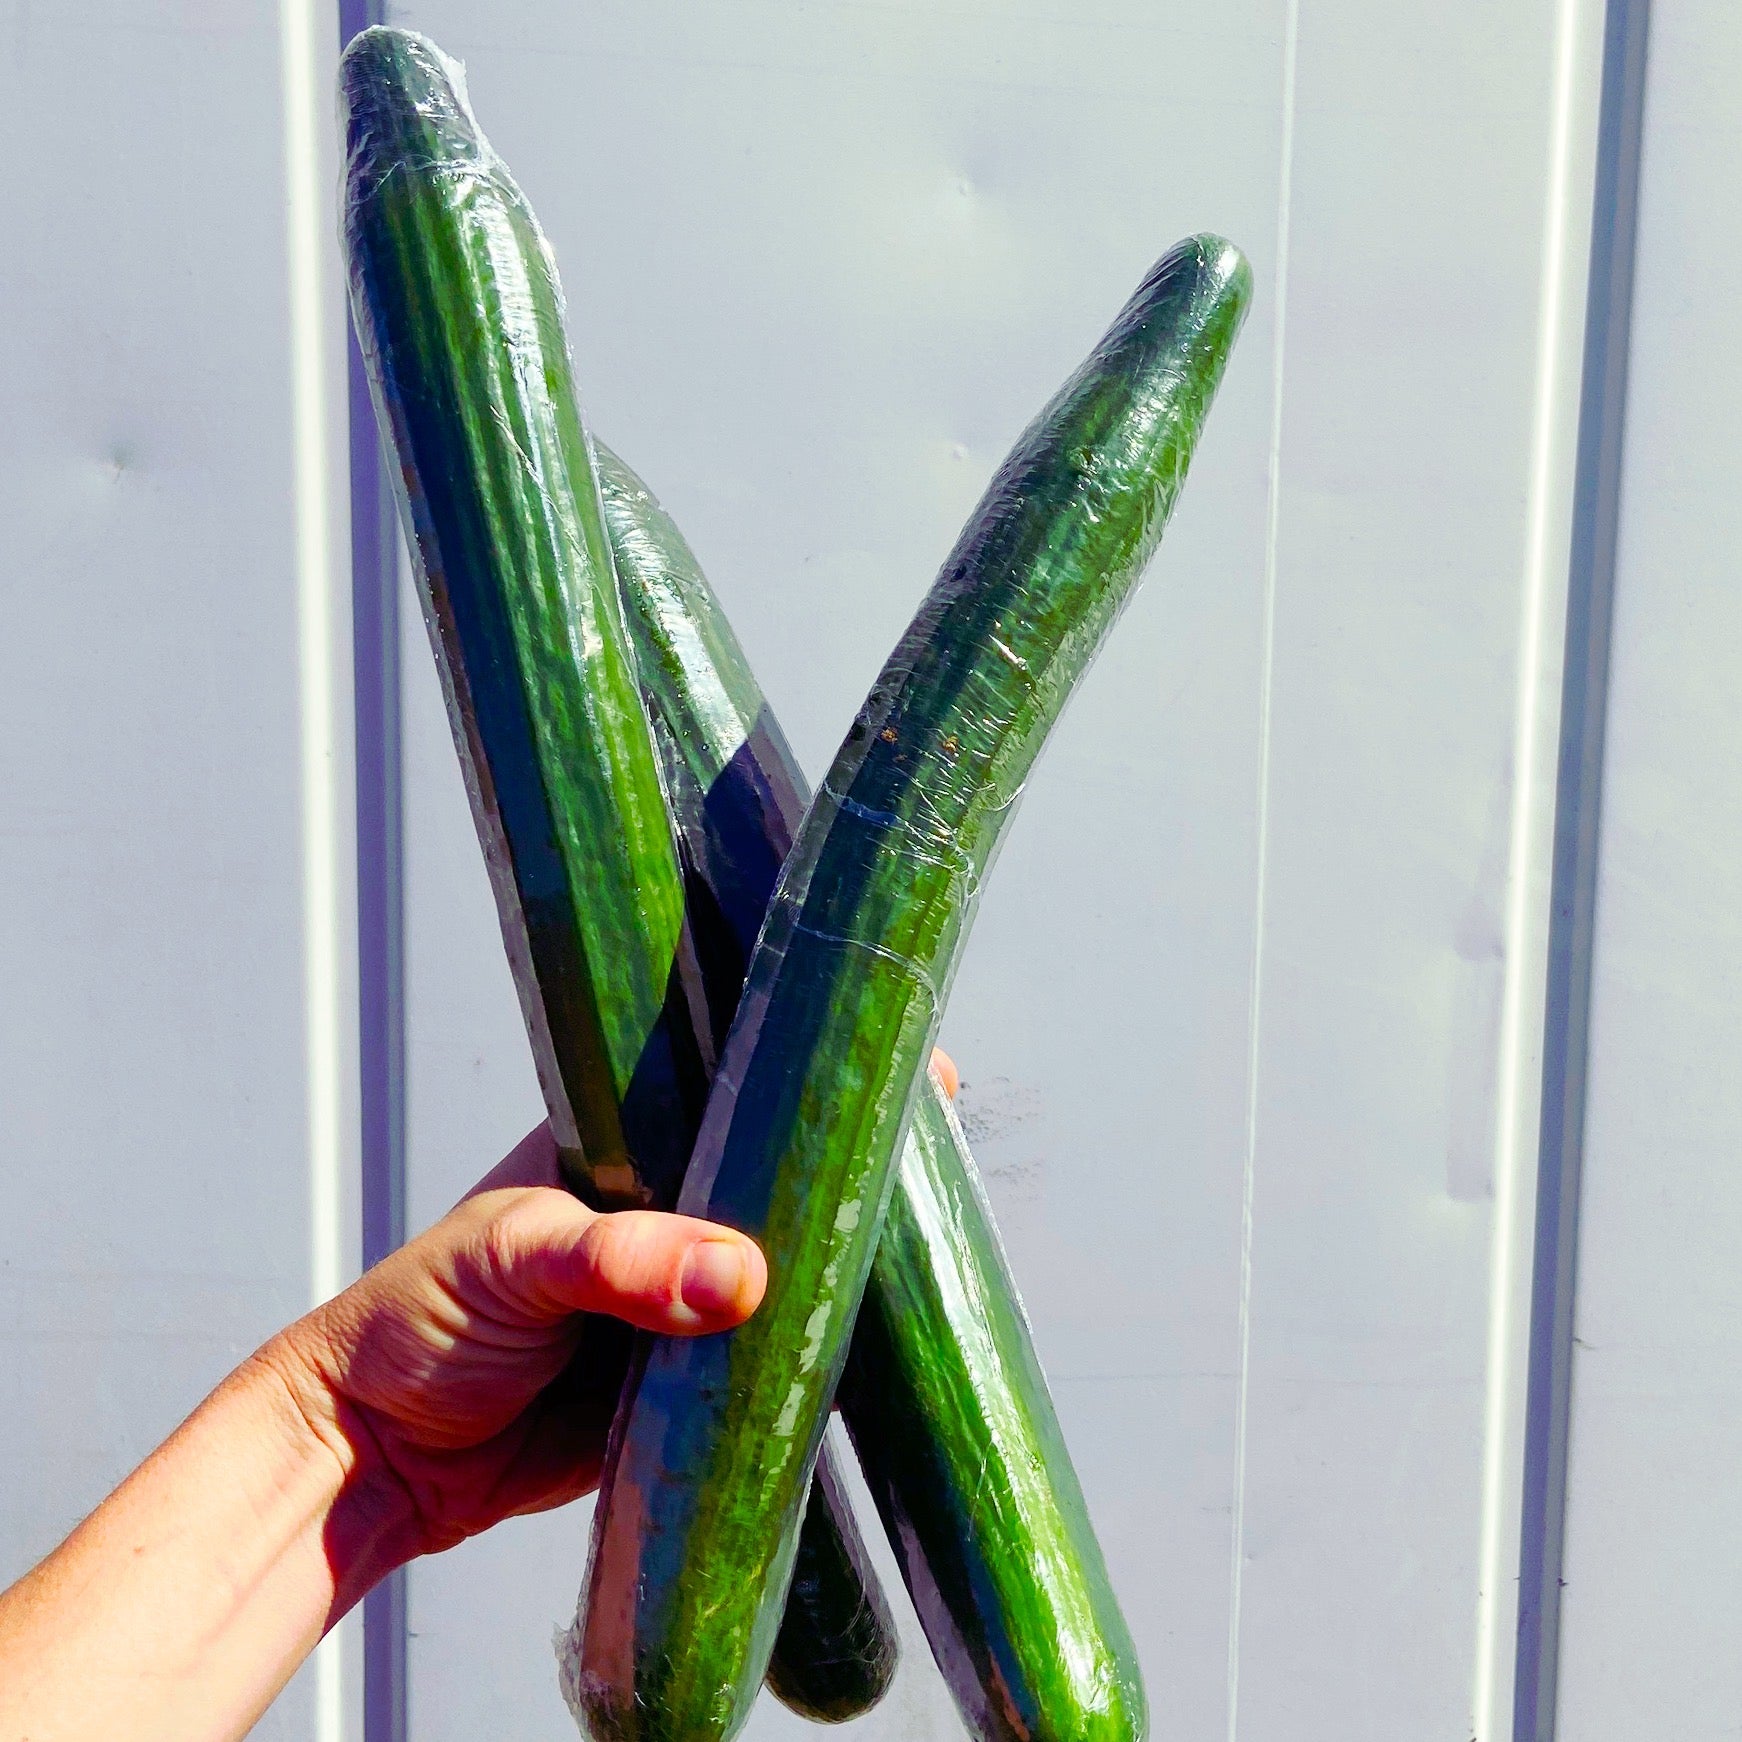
943,1393
735,789
694,1533
836,1652
460,316
461,321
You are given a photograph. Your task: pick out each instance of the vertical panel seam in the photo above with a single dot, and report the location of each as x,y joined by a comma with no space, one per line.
316,656
325,1024
380,925
1284,199
1566,1026
1516,1050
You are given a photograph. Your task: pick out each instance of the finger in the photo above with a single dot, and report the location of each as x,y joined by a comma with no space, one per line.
943,1067
531,1162
660,1272
566,1427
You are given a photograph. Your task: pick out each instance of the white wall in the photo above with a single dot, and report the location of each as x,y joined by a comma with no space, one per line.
1246,949
1251,1019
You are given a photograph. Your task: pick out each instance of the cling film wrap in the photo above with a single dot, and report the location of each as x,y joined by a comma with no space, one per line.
460,317
962,1450
694,1532
833,1601
943,1393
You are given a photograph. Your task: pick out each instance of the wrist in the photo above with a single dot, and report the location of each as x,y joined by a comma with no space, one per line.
371,1527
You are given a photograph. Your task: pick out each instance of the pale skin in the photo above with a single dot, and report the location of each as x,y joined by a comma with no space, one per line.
449,1388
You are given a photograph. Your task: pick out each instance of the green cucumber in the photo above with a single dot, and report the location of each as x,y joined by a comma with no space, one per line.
943,1392
460,317
710,1456
835,1654
1005,1573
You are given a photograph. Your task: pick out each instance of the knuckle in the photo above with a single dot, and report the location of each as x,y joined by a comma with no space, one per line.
501,1245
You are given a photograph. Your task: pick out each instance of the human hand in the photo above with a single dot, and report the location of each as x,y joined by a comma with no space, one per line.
474,1373
465,1378
470,1376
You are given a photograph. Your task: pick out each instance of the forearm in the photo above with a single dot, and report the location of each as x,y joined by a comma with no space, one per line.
186,1601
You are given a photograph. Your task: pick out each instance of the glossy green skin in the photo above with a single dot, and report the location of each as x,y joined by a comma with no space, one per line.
834,1599
943,1392
943,1381
461,320
698,1513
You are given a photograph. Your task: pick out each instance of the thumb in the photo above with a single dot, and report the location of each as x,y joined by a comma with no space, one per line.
675,1274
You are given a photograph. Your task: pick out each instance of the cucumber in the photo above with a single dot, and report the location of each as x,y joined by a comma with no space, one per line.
698,1512
835,1654
943,1392
735,789
460,318
1005,1573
